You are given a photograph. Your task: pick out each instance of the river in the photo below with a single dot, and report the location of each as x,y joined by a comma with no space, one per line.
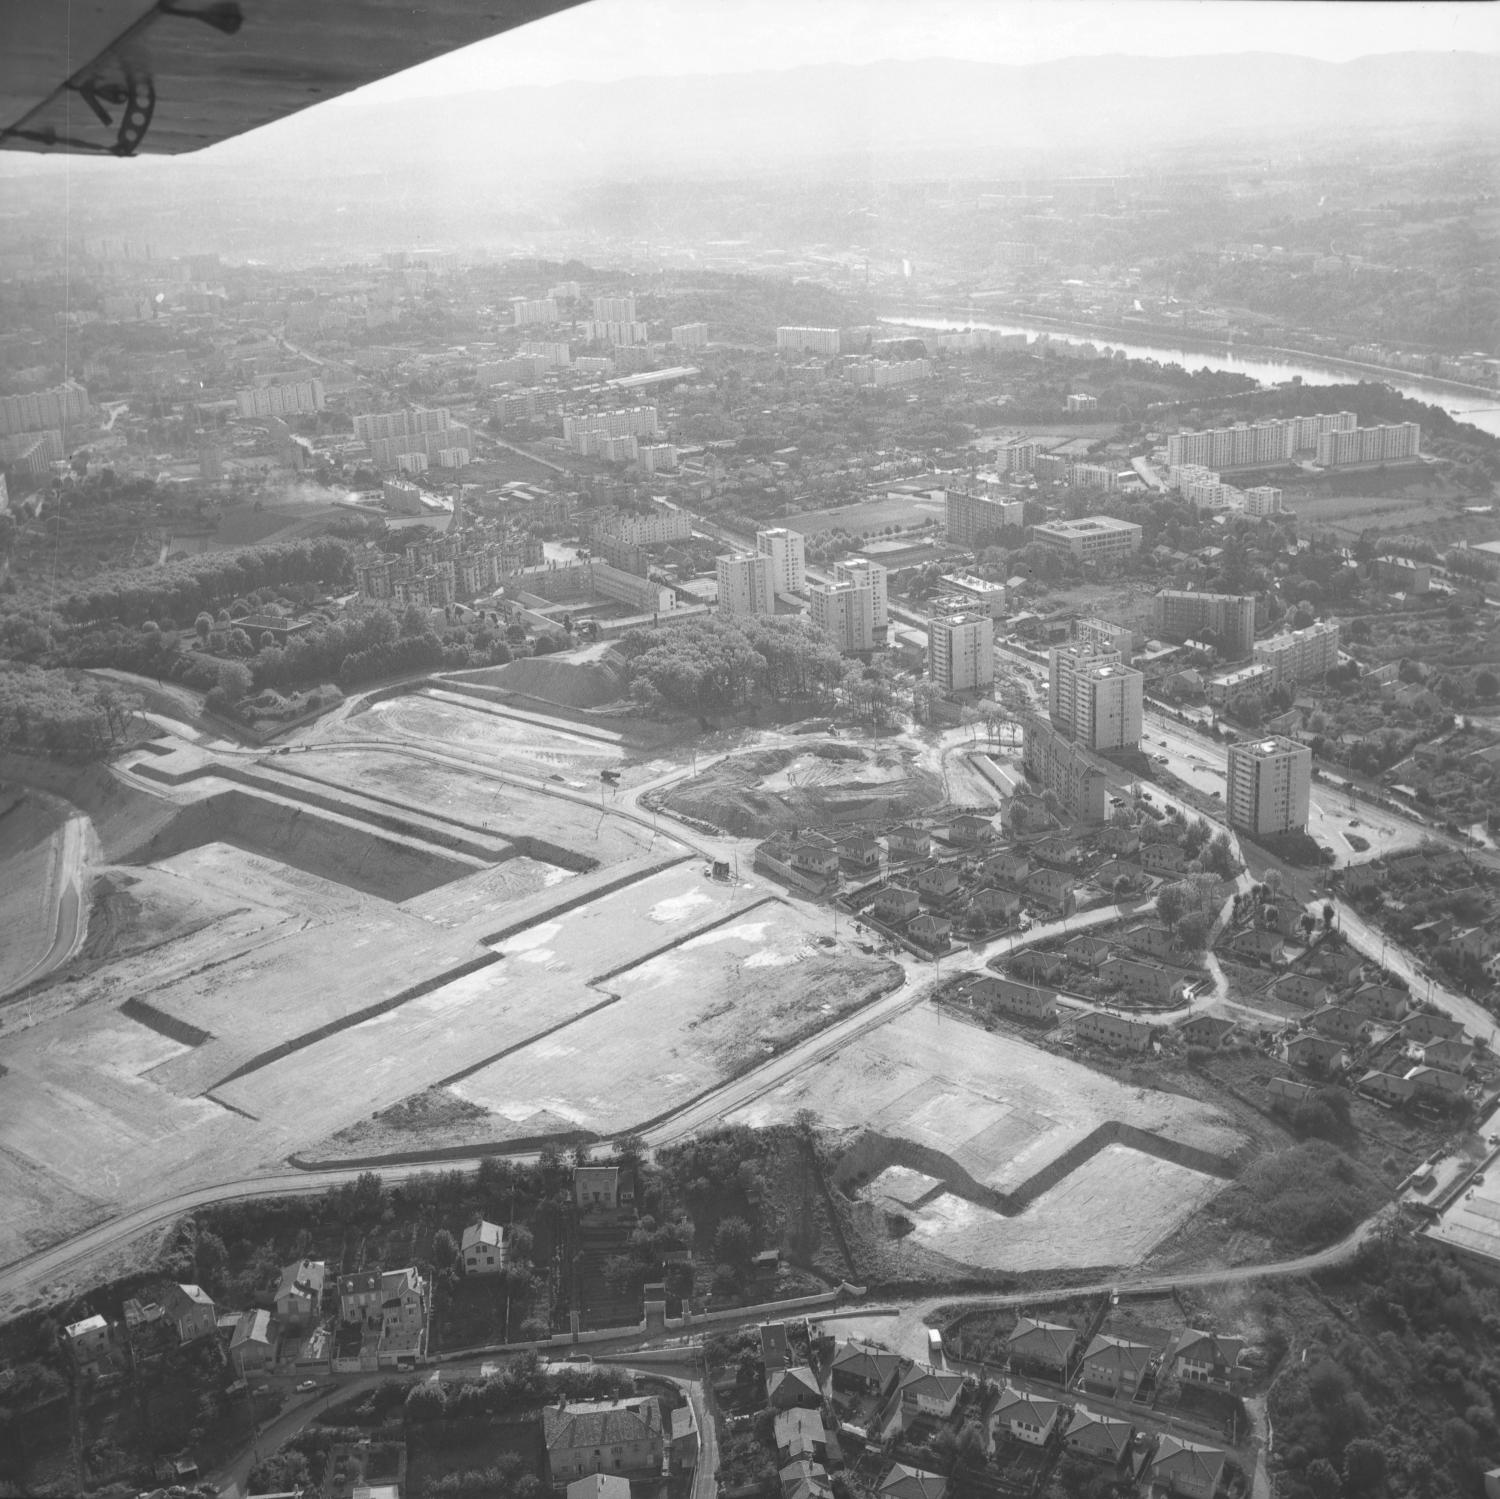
1465,406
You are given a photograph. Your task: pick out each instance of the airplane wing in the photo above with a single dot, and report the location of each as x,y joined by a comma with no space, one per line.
123,77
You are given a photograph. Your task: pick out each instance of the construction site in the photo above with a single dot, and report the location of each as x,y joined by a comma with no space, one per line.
492,911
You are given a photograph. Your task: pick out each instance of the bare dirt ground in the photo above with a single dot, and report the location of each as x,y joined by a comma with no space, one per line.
1003,1110
687,1018
30,839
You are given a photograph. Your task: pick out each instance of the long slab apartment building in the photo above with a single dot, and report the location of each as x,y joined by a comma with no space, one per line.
411,440
970,518
1334,438
1063,768
1181,614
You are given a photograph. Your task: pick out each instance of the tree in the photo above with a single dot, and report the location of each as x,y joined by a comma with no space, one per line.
235,680
734,1242
1323,1479
1192,931
444,1251
1364,1466
518,1245
1171,904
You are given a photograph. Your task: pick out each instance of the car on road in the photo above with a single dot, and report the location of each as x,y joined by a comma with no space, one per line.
306,1385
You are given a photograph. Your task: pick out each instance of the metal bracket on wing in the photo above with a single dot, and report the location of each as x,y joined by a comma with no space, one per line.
120,78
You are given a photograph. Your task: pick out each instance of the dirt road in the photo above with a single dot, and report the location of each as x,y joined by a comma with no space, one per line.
68,897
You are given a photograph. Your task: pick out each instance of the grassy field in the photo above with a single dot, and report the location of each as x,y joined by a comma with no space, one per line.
867,515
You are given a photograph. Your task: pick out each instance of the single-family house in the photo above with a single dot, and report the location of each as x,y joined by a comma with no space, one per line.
1341,1023
814,860
800,1434
1449,1052
859,852
596,1188
1041,1346
1027,1417
190,1309
1119,840
1207,1358
684,1439
1315,1053
403,1312
796,1386
858,1369
991,906
1113,871
1148,981
929,1392
359,1296
1301,989
1478,942
1261,945
1010,866
1086,950
1186,1468
895,905
603,1436
482,1248
299,1296
1162,859
1380,1001
1056,850
908,842
1430,1025
253,1342
906,1482
1286,1093
1436,1080
1106,1439
804,1479
1116,1366
970,830
929,931
600,1486
939,882
87,1343
1054,889
1038,967
1387,1086
1016,998
1118,1032
1209,1031
1158,941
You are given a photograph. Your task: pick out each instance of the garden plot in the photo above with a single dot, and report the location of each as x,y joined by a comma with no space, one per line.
999,1109
686,1019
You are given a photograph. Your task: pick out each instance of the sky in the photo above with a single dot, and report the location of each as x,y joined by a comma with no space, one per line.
610,39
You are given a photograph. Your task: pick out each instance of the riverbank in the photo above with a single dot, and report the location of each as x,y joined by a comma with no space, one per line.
1267,363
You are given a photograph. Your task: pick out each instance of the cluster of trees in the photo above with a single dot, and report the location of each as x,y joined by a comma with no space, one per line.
522,1385
179,590
716,665
60,714
1398,1393
1303,1197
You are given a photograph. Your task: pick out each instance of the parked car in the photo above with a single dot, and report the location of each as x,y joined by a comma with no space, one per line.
306,1385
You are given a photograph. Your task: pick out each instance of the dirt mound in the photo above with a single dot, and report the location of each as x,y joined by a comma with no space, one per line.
753,796
569,684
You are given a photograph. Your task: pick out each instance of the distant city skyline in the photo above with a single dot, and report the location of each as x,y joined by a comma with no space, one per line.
604,40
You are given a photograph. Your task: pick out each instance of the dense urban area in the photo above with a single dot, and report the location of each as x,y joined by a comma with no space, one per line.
845,851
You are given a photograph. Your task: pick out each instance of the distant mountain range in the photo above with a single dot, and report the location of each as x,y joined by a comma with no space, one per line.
961,116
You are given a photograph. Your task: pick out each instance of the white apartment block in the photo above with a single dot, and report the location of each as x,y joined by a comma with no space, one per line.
845,612
788,553
866,574
656,457
882,375
1245,445
1268,785
660,523
538,310
614,309
554,353
42,410
565,291
971,517
1181,614
1264,499
976,593
627,421
616,332
1018,456
690,336
293,398
1093,697
745,585
1386,444
1094,476
1105,635
1095,538
1065,663
808,340
1210,494
1300,655
1082,402
961,652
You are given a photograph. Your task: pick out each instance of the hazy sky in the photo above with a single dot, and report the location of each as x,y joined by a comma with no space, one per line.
607,39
